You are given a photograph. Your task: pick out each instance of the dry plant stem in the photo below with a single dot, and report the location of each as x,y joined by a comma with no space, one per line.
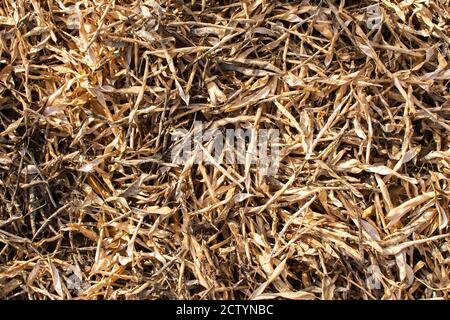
94,206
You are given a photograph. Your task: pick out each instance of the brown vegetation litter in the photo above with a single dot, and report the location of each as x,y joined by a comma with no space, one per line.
93,207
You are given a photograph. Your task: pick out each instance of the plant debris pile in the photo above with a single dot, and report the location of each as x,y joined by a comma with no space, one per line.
92,205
